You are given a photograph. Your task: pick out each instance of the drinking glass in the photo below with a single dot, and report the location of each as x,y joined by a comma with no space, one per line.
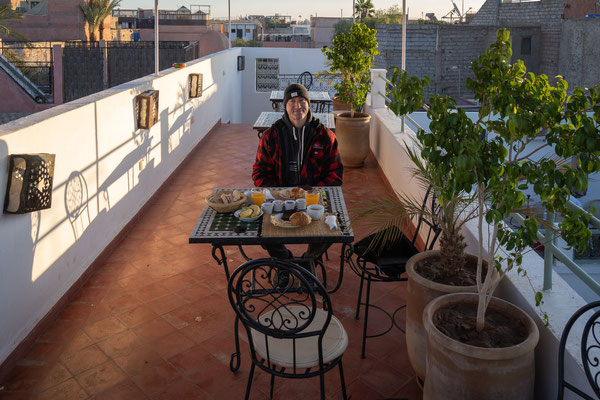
312,197
258,197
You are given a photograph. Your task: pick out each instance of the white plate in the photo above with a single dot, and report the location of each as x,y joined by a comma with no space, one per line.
277,221
249,219
286,194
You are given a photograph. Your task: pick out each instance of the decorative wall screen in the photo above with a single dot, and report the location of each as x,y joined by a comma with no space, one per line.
267,74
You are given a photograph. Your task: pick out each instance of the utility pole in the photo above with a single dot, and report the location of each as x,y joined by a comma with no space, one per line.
229,17
156,42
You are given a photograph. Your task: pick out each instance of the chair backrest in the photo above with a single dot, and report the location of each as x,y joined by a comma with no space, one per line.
433,229
279,299
590,350
426,230
305,79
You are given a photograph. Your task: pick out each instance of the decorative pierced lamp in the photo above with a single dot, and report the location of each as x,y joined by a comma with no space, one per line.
195,83
29,186
146,109
241,63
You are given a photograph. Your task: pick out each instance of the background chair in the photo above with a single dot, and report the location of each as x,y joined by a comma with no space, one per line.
291,330
378,262
305,79
590,349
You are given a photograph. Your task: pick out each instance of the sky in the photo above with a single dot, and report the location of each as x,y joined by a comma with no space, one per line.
305,8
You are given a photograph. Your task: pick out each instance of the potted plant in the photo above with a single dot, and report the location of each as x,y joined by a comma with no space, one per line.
524,123
436,272
350,59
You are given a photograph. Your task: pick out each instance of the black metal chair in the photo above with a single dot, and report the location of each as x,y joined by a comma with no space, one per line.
590,351
305,79
291,330
387,263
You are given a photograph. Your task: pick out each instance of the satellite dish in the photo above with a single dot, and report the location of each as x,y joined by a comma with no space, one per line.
456,10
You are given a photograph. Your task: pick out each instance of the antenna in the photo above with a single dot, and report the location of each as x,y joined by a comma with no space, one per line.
456,10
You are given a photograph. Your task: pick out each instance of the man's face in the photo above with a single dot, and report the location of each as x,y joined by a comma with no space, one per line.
297,109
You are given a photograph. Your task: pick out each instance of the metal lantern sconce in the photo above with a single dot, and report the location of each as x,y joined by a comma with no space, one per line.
195,83
146,109
241,63
29,186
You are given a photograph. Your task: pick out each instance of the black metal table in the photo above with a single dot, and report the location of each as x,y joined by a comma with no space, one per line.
268,118
219,230
320,99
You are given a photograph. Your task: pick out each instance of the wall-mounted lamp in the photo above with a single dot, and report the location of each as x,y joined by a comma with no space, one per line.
195,83
146,105
241,63
29,186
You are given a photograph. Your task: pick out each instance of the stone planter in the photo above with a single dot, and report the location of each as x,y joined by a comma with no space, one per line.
457,371
339,105
420,292
352,135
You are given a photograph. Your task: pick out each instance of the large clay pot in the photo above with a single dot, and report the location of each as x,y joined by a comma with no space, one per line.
420,292
352,135
339,105
457,371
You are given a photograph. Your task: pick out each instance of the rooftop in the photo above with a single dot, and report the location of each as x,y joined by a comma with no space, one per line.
154,321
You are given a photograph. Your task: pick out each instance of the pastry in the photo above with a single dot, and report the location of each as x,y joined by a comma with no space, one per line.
299,218
297,193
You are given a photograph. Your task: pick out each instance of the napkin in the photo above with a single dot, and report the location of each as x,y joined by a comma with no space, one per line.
268,195
331,222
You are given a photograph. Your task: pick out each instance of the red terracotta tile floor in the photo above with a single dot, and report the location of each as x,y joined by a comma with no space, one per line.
153,322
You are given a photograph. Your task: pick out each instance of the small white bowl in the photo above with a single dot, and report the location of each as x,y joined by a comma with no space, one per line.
315,211
248,219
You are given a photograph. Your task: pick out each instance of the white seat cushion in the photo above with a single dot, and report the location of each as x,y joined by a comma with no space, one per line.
281,353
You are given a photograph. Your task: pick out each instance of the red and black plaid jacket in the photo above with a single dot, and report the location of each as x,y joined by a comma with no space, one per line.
322,165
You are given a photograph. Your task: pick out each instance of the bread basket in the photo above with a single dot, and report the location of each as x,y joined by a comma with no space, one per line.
213,200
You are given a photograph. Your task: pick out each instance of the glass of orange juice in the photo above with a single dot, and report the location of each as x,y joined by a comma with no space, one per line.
312,197
258,197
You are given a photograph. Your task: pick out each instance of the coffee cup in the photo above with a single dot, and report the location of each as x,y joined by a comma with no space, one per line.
278,206
289,204
267,208
315,211
301,204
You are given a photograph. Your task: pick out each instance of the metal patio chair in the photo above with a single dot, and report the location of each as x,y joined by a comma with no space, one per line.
387,263
291,330
590,350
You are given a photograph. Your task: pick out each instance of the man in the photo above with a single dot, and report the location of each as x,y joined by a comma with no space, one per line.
297,150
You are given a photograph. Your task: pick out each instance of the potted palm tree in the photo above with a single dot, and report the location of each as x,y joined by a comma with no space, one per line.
479,346
350,59
430,273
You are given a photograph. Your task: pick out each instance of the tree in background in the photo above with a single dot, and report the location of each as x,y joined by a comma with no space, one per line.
364,9
392,15
7,13
343,26
95,12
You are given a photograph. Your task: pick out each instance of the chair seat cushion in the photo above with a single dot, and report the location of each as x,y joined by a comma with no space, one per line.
281,351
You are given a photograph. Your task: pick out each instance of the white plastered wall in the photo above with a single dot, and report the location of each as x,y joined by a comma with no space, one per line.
291,61
105,171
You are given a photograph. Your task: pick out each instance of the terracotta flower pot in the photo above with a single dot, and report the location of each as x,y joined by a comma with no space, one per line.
352,135
457,371
339,105
420,292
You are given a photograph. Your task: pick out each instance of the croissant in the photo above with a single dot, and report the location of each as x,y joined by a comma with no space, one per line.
297,193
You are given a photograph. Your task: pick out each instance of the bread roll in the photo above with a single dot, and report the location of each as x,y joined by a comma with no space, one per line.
299,218
297,193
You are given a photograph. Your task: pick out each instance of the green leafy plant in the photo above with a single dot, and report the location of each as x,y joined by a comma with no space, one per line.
350,59
456,206
524,122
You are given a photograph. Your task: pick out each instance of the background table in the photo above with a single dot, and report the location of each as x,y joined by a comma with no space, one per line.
320,99
268,118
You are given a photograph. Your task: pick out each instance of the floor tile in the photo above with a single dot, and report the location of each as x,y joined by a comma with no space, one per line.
154,322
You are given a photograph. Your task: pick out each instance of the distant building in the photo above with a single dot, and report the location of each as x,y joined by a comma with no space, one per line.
321,30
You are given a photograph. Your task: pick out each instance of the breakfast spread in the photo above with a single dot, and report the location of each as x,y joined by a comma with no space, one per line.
299,218
227,197
250,211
